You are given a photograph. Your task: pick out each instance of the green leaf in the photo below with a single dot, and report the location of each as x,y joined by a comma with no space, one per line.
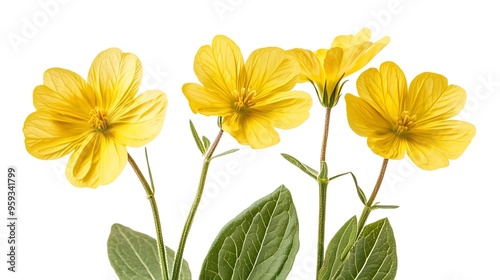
323,171
149,171
219,122
338,249
308,170
225,153
376,206
134,255
373,255
197,138
259,243
206,143
360,192
338,175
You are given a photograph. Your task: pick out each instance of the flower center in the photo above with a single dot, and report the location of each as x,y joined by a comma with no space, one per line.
245,99
99,119
405,122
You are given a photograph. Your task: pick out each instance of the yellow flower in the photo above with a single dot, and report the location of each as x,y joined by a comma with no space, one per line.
253,98
326,68
415,120
95,120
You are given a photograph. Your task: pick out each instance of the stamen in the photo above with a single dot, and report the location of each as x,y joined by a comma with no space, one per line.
99,119
404,123
245,99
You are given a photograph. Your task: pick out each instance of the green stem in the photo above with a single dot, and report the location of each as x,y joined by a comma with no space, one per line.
325,135
323,184
194,207
321,225
156,217
368,207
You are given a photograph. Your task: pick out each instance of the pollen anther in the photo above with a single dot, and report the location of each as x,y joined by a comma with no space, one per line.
99,119
244,99
405,122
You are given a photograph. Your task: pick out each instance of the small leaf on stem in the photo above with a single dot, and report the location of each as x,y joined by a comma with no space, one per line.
149,171
197,138
206,142
377,206
360,192
323,171
225,153
305,168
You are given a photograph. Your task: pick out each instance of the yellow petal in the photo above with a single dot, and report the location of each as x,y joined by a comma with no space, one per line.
311,69
259,132
431,146
321,54
350,58
64,91
50,134
332,65
347,41
364,120
271,70
369,52
384,90
434,99
140,121
321,83
254,130
362,36
98,161
342,41
115,77
219,67
388,146
285,110
338,63
233,125
206,102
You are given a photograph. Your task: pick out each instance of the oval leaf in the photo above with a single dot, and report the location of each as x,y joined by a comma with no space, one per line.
373,255
134,255
338,248
259,243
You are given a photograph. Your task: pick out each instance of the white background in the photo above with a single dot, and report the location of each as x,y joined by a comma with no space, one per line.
447,227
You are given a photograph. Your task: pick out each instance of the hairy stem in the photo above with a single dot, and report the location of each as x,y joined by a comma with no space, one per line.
368,207
156,216
194,206
323,185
